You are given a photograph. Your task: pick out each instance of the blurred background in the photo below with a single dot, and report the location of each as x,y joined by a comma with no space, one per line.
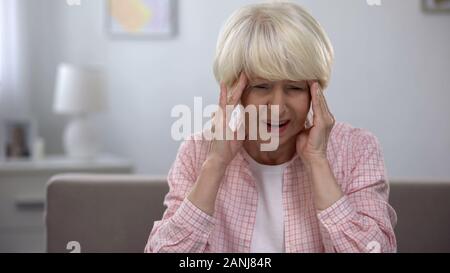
391,75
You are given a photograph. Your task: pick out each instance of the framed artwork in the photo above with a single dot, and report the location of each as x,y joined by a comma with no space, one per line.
17,138
141,18
436,6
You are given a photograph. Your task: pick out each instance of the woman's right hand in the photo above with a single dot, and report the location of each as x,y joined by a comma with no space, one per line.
222,150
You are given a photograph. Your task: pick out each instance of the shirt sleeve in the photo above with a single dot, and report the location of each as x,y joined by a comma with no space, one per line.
183,227
362,220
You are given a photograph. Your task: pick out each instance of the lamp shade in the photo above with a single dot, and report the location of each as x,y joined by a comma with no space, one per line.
79,90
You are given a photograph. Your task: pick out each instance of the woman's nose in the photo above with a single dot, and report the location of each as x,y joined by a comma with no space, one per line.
278,97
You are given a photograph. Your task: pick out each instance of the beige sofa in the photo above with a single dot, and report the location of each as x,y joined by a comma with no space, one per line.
115,213
104,213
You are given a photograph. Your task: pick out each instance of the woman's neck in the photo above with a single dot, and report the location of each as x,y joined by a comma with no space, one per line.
283,154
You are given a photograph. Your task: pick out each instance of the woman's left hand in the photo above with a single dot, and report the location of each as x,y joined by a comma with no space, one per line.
312,143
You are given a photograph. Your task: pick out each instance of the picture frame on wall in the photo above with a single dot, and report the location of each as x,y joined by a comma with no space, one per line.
436,6
141,19
17,138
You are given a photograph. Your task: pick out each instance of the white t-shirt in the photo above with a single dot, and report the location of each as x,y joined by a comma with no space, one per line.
268,234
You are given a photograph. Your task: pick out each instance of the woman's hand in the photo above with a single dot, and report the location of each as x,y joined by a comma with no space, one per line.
312,148
312,143
222,149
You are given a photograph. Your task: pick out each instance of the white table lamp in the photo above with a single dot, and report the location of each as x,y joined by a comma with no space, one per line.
79,91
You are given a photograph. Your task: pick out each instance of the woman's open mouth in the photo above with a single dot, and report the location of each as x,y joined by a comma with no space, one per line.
279,127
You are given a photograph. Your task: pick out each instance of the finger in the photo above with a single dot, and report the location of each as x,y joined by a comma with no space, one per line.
240,133
220,117
310,84
325,115
317,109
237,90
223,96
321,100
326,110
213,121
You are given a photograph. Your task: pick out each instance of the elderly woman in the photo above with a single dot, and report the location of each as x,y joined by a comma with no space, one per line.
324,189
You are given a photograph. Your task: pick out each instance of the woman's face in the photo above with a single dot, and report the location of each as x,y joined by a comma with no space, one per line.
292,98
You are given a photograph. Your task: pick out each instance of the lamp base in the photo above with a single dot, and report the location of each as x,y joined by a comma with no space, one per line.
80,139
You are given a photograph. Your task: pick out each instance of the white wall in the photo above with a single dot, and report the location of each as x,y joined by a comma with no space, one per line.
391,76
14,57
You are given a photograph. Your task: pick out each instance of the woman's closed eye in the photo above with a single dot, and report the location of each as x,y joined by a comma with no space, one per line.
296,88
264,86
261,86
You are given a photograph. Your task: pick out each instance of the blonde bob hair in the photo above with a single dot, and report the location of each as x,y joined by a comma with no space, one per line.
273,41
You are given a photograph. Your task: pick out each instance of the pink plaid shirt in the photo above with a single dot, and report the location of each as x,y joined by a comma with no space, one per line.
360,219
